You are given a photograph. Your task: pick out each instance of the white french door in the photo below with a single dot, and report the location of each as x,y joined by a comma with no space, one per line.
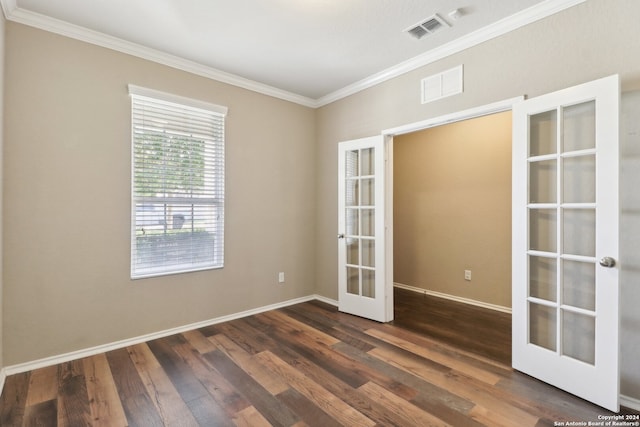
364,288
565,240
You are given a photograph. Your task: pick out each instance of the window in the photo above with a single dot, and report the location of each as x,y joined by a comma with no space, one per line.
177,184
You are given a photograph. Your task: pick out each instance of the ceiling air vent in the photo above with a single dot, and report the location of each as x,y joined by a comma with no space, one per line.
426,27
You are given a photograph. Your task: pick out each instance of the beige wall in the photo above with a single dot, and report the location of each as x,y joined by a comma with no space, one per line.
560,51
2,42
630,241
67,201
67,175
452,209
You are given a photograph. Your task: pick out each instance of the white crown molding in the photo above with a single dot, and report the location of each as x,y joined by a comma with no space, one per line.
505,25
8,6
513,22
66,29
510,23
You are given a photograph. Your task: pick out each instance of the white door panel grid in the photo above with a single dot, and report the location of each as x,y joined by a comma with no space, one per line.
363,288
565,240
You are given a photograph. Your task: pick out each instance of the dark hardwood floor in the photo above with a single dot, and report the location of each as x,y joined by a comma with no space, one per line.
482,331
306,364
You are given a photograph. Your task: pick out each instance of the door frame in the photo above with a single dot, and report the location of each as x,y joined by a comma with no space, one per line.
389,134
471,113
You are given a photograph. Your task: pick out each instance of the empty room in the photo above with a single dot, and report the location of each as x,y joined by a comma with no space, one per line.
199,226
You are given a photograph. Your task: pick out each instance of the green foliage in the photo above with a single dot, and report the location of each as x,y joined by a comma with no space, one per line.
174,248
168,165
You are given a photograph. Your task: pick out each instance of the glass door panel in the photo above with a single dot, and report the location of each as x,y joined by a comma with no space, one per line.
579,127
360,188
543,326
543,134
368,222
368,192
543,186
368,161
353,192
352,222
543,224
368,253
353,281
352,163
543,278
579,233
579,284
579,179
368,283
579,336
353,251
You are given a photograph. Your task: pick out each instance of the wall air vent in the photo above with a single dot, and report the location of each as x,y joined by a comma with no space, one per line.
427,26
442,85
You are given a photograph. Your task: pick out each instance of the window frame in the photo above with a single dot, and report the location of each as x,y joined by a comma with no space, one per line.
213,202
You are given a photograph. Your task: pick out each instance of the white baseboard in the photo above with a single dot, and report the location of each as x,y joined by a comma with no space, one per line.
74,355
326,300
454,298
630,402
3,376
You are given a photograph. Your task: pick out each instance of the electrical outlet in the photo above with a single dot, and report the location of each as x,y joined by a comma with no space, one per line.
467,275
281,277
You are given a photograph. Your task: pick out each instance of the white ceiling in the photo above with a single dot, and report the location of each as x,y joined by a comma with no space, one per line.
306,49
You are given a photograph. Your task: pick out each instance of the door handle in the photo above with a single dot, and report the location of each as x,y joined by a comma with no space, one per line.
607,262
340,236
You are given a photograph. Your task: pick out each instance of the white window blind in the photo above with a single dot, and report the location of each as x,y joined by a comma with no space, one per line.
177,184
